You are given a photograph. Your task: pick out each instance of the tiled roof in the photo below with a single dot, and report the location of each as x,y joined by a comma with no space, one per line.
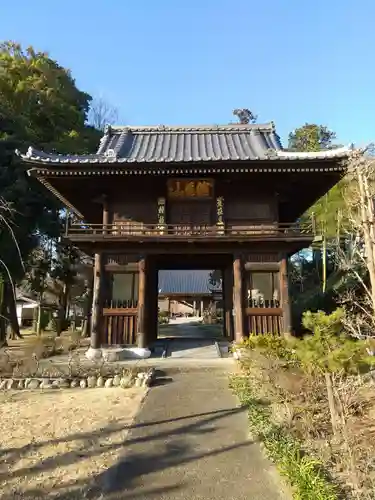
162,144
188,282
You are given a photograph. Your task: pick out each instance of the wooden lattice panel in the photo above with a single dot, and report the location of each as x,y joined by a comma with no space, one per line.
119,326
264,320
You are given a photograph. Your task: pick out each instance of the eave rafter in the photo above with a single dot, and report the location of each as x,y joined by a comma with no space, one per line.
60,197
41,171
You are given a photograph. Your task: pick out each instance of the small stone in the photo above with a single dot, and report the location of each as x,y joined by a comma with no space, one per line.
63,383
11,384
91,381
100,382
46,384
147,381
116,380
3,384
74,383
33,384
93,354
83,383
21,384
109,382
126,381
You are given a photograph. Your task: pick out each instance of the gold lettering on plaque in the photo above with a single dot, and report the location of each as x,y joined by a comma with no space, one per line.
189,188
203,188
161,215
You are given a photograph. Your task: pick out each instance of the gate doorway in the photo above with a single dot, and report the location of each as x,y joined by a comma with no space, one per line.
190,304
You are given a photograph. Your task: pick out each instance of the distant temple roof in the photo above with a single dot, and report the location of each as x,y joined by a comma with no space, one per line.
186,144
186,282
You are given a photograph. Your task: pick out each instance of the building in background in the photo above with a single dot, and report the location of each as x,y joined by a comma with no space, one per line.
186,292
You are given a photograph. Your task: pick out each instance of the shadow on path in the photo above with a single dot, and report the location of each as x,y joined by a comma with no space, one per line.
189,441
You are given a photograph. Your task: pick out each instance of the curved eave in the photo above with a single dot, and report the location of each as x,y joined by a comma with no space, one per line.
40,158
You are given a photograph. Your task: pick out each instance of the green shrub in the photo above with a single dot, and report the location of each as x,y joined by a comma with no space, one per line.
326,349
323,324
269,344
329,349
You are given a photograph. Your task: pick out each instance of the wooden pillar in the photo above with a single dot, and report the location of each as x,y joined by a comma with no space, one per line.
141,330
105,215
284,293
96,316
151,303
228,302
202,308
238,298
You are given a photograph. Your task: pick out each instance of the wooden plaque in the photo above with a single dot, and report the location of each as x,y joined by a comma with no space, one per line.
190,188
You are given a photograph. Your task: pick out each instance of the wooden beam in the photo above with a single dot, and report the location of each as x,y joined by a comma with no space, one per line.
284,293
238,298
262,266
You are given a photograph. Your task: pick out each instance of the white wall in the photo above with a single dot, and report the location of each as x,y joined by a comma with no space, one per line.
122,286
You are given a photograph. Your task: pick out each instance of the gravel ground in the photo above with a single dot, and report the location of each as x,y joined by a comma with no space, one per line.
53,444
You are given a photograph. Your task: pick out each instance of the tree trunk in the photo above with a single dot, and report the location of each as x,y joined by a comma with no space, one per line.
86,326
335,418
35,319
3,333
366,209
3,325
65,299
39,316
39,321
11,308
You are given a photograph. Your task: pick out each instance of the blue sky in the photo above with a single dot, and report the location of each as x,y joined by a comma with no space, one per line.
177,62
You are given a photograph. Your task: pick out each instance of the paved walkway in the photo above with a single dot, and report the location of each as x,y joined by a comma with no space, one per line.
190,442
190,328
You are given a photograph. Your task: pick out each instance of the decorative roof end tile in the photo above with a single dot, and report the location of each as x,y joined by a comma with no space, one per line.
110,153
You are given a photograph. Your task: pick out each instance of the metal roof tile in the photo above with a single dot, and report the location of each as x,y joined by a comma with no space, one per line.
187,145
188,282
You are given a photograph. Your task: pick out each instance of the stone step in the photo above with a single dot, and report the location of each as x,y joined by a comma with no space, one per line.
193,350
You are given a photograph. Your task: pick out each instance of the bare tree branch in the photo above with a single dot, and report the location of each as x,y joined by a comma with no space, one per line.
102,113
358,258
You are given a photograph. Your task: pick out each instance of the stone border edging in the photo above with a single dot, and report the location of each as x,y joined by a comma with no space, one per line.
142,379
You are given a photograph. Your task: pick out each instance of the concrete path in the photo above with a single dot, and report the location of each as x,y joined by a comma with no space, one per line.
189,328
204,349
190,442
